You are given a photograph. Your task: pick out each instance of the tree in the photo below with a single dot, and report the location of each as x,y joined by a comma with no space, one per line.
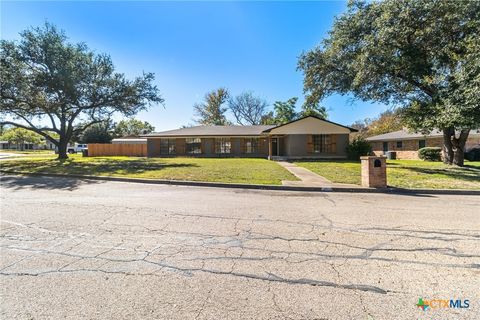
415,54
211,112
132,127
248,109
313,109
45,78
268,118
388,121
97,133
20,137
285,111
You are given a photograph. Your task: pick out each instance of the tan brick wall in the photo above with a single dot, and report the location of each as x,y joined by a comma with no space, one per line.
409,149
374,177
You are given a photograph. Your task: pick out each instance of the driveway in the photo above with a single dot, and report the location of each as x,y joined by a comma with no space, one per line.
80,249
6,155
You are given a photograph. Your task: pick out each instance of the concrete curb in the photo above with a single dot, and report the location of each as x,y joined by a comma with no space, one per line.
389,190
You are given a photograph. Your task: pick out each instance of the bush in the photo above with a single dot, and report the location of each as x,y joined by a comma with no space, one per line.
357,148
430,154
473,154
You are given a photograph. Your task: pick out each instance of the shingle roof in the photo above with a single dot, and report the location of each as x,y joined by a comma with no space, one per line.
405,135
212,131
255,130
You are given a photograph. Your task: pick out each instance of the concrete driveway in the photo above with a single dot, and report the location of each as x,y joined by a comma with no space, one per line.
108,250
6,155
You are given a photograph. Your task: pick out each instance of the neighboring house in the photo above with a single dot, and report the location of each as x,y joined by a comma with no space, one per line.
406,144
5,145
308,137
129,140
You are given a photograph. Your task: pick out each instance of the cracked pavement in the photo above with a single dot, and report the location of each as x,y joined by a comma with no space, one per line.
81,249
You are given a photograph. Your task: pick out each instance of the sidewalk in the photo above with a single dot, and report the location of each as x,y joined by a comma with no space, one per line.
309,178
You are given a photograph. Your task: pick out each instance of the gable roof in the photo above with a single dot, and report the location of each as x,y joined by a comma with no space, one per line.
213,131
406,135
318,118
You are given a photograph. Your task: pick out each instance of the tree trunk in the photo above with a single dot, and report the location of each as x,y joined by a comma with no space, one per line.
62,149
453,147
459,148
447,146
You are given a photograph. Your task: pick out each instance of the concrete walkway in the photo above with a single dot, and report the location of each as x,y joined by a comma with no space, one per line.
307,177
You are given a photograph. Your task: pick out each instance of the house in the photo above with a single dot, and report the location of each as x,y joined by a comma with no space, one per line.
308,137
406,144
44,145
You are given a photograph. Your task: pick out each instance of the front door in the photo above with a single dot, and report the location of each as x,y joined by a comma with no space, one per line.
385,147
274,146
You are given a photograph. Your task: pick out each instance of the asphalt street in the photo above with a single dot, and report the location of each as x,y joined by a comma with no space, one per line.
80,249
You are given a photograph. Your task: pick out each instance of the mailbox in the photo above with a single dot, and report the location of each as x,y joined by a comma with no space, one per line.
374,172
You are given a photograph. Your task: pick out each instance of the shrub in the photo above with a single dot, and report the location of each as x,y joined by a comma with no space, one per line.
430,154
473,154
357,148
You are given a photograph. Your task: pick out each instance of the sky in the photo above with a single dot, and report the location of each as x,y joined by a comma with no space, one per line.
196,47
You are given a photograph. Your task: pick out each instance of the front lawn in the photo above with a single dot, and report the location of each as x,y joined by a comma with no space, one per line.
251,171
403,173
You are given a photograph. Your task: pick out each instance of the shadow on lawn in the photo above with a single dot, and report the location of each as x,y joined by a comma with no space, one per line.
124,166
44,182
467,173
93,166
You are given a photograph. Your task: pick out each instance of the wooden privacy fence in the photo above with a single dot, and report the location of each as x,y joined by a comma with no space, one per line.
104,149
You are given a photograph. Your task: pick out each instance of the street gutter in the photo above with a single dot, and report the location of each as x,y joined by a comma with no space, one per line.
391,190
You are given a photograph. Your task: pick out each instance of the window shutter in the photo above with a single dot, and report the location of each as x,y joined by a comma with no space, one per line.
242,146
333,143
263,145
309,143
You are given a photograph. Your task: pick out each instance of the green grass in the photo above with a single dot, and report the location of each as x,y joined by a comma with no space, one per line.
234,170
403,173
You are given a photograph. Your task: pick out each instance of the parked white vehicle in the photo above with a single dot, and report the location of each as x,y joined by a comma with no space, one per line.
76,148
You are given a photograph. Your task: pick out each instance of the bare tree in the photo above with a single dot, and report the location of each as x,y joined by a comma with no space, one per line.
248,109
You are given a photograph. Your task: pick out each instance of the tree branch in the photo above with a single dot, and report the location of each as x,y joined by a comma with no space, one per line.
34,129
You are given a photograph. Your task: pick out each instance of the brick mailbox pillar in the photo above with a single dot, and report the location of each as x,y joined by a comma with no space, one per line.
374,172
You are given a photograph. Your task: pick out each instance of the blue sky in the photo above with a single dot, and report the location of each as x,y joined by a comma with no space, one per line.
194,47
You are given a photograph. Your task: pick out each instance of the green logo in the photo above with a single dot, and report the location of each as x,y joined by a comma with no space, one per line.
422,304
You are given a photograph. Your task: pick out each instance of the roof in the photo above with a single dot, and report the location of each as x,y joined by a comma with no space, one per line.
213,131
405,135
337,124
254,130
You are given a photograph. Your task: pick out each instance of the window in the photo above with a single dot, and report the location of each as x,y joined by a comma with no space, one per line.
167,146
321,143
251,145
193,145
421,144
223,145
399,144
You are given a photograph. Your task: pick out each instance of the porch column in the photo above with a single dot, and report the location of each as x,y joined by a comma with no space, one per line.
269,148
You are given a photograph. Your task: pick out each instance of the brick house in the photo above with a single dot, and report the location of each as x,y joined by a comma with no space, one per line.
407,144
308,137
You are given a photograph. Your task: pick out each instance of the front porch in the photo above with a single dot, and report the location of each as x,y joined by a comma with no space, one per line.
307,146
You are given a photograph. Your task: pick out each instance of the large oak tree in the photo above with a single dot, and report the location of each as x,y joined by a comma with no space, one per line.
421,55
49,85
